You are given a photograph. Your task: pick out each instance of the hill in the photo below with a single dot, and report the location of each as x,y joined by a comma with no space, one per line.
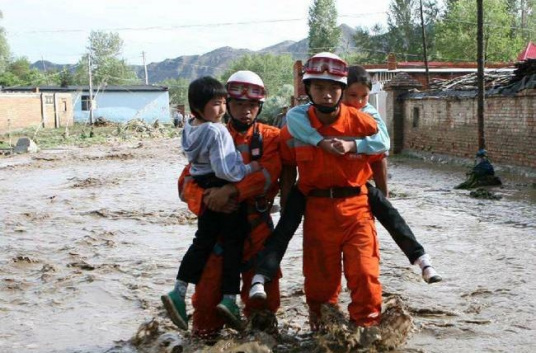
215,62
192,66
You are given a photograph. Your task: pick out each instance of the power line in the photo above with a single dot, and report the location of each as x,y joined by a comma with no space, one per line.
151,28
205,25
490,25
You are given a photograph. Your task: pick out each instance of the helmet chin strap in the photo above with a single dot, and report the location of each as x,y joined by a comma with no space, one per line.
322,108
326,110
240,126
237,124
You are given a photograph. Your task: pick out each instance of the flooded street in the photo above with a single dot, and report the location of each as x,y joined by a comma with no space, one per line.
90,238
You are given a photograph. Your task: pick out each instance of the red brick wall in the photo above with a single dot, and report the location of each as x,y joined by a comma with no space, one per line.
449,126
21,109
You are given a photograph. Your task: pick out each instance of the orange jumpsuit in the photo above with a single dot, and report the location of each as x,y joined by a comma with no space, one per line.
257,188
337,230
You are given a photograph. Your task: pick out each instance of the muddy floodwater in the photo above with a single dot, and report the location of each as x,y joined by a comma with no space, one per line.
90,238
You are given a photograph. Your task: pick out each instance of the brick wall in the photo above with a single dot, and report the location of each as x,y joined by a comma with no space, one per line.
23,110
19,110
58,110
449,126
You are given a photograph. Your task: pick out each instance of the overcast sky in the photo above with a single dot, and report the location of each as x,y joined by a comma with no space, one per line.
57,30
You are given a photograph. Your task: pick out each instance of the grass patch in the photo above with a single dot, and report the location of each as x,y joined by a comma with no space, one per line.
82,134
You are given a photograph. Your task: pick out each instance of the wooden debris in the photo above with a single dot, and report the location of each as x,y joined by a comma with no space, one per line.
524,68
492,79
470,82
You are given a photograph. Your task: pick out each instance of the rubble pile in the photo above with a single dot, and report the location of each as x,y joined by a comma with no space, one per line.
140,128
499,80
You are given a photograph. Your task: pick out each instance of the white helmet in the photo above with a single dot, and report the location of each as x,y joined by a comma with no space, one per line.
325,66
246,85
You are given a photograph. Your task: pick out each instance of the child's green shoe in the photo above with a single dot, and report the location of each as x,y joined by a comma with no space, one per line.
176,309
231,313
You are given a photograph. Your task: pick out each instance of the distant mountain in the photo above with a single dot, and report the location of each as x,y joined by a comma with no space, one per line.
192,66
44,65
298,50
216,62
347,38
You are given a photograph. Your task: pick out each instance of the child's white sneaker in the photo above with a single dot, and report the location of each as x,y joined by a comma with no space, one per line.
257,291
430,275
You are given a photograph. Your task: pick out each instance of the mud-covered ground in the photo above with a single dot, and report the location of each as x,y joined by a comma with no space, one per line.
90,238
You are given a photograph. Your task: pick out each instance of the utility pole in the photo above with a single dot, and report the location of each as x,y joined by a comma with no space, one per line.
424,48
45,69
523,15
145,68
483,173
480,73
43,64
90,89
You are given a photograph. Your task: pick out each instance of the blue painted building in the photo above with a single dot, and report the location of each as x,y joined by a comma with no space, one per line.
114,103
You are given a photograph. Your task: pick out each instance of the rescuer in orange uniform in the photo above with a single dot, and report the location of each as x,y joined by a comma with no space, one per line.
256,141
338,227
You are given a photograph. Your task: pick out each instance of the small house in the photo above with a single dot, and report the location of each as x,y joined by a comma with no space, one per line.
32,108
113,103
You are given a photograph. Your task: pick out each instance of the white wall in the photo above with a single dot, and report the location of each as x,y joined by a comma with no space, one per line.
124,106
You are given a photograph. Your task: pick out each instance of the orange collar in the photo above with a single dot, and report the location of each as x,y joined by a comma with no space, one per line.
317,124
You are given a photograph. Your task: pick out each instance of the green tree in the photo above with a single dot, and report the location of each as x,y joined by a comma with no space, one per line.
402,23
523,17
178,90
432,13
456,34
20,73
4,49
274,103
404,28
530,32
402,36
372,46
275,71
324,34
65,77
105,49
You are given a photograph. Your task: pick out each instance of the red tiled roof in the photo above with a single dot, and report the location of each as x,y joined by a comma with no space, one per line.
528,53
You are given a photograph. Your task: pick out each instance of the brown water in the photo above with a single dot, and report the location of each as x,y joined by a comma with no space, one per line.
90,239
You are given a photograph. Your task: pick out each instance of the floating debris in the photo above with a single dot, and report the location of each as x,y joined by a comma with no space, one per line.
102,121
155,217
263,320
27,259
482,193
88,182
